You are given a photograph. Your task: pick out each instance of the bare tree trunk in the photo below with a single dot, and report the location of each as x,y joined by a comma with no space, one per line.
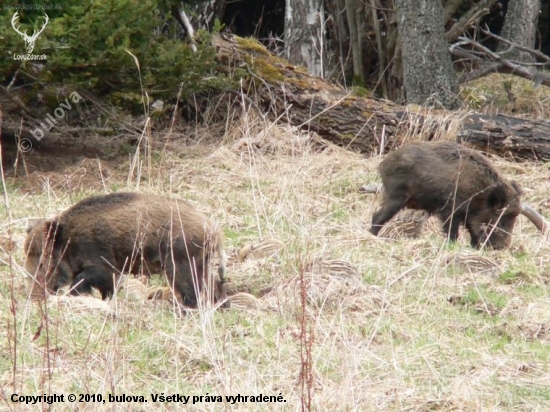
428,72
304,34
380,46
338,48
520,27
354,10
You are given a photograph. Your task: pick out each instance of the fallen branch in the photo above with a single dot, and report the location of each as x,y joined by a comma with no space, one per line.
495,63
469,18
536,53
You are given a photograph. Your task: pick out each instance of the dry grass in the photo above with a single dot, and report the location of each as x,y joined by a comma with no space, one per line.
412,331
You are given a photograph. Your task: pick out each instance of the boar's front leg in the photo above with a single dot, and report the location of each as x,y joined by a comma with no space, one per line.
451,224
93,277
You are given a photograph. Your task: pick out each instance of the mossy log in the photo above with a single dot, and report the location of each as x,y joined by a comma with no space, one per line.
360,123
288,92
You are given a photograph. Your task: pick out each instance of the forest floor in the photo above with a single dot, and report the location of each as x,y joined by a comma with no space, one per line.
420,326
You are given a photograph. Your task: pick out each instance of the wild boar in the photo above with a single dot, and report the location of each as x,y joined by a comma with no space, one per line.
92,242
457,184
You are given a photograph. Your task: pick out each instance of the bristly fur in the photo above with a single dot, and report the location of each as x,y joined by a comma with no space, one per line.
457,184
89,244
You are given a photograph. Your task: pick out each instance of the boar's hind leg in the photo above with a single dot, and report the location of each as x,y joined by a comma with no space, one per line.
180,278
93,277
390,206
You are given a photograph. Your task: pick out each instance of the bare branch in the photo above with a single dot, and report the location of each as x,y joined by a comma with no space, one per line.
478,74
514,45
495,63
535,217
470,17
450,8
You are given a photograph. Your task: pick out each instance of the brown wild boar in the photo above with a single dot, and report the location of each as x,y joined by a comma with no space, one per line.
457,184
89,244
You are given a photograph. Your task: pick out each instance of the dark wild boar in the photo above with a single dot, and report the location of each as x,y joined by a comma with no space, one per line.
457,184
89,244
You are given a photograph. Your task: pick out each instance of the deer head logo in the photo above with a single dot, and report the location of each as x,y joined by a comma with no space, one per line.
29,40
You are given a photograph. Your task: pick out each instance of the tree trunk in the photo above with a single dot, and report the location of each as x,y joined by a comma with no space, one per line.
366,125
363,36
304,34
339,41
354,13
520,26
428,72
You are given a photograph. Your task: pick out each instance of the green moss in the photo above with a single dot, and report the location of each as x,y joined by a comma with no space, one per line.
361,91
267,70
357,82
301,83
252,44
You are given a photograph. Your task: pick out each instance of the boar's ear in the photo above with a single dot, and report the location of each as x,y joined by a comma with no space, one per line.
33,223
52,231
498,197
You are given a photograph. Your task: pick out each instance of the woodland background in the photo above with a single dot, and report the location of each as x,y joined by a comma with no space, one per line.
147,59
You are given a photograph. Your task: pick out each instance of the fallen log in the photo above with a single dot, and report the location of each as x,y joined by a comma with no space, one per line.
288,92
520,139
360,123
